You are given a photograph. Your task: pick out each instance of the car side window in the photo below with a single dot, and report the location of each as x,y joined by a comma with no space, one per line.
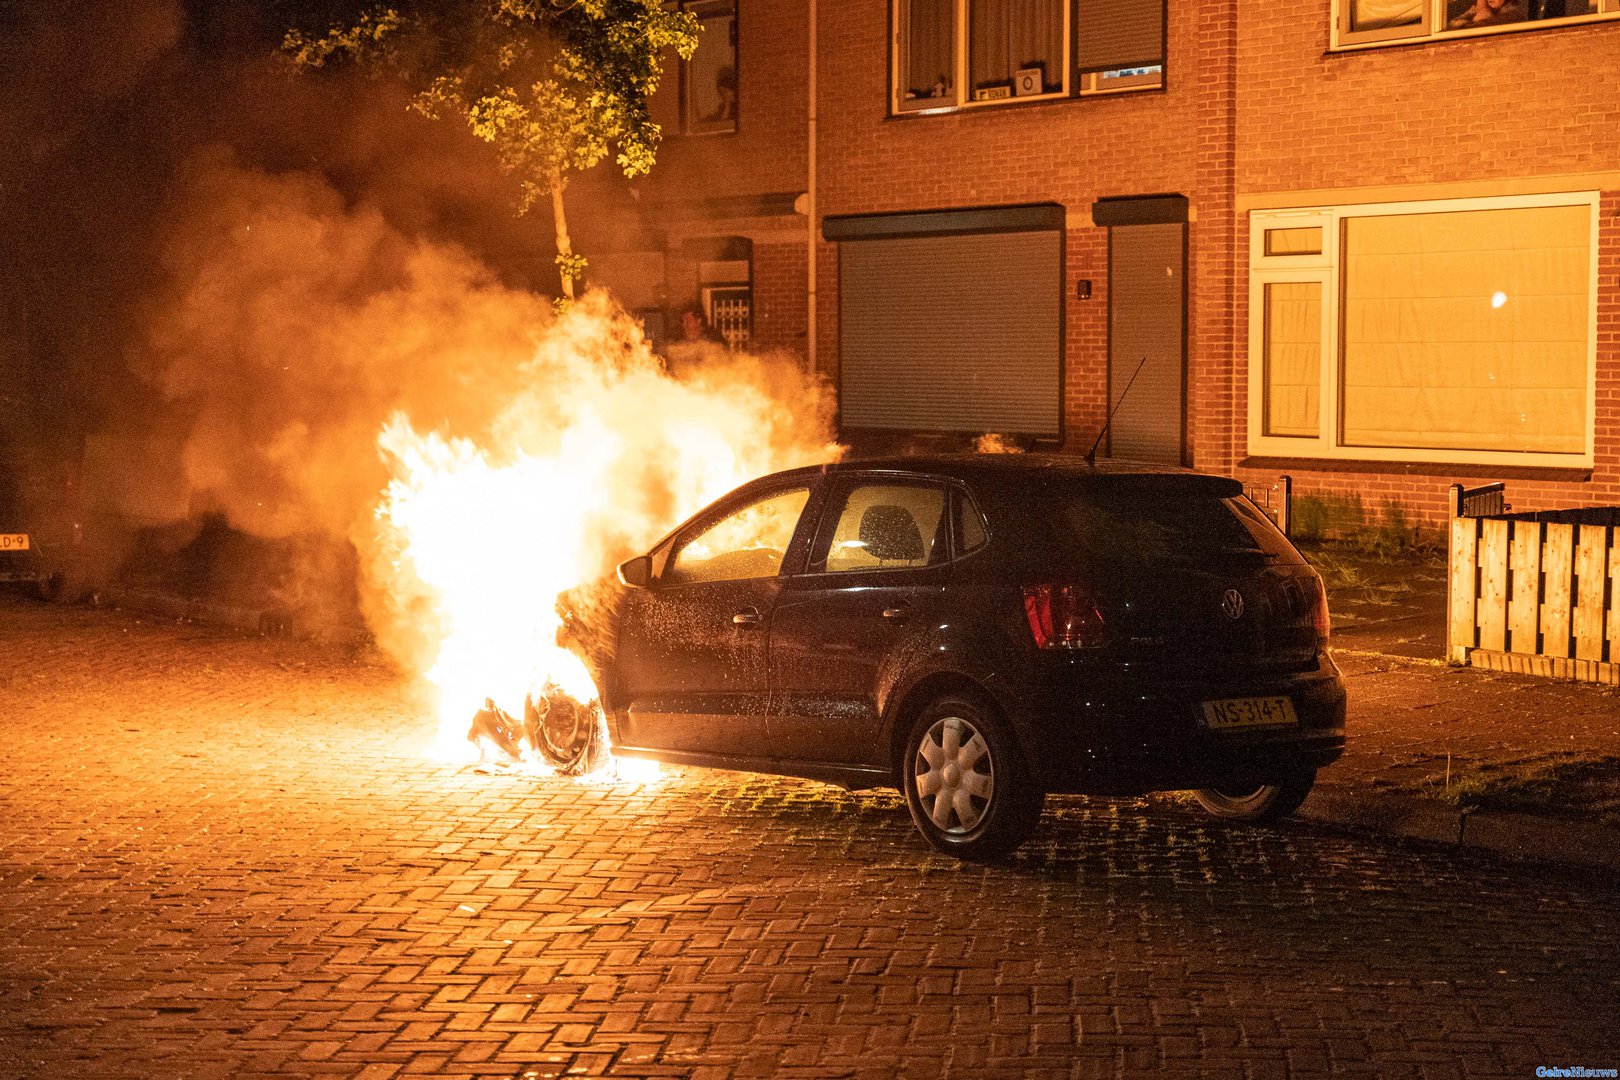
883,526
749,542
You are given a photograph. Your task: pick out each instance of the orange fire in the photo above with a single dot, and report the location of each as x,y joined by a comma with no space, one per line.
606,448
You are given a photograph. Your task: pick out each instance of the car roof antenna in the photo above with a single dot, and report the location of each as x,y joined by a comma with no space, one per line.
1091,455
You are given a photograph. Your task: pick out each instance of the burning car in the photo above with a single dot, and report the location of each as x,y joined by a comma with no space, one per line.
978,632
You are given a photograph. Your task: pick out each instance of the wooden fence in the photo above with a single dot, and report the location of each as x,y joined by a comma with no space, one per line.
1535,592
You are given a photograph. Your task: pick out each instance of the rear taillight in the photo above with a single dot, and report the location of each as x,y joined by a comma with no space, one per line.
1319,613
1063,616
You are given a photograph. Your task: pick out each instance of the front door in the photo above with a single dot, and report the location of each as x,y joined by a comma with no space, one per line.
1147,303
874,584
692,647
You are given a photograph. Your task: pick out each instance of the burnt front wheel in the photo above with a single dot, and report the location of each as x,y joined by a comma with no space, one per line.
966,783
1257,802
571,736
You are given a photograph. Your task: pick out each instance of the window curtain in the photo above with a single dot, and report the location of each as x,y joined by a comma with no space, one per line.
929,39
1468,330
1383,14
1005,35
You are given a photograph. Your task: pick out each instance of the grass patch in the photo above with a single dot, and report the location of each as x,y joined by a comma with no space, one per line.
1363,584
1566,784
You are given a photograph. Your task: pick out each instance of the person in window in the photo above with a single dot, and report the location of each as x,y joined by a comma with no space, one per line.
1488,13
725,91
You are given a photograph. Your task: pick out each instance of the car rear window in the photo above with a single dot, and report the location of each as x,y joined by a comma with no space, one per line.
1160,520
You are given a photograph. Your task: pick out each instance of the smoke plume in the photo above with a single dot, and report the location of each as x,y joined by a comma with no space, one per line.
236,280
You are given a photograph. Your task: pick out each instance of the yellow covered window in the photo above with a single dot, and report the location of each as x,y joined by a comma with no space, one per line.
1293,358
1467,330
1459,331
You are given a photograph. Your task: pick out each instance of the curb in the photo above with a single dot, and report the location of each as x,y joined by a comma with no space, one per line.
1530,837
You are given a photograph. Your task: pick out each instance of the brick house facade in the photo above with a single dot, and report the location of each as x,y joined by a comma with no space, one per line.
1375,126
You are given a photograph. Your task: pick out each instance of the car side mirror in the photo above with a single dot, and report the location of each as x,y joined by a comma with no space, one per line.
636,572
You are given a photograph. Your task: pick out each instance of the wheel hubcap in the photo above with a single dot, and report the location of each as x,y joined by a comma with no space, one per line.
955,775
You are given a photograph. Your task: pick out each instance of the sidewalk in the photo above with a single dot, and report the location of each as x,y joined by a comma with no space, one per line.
1518,764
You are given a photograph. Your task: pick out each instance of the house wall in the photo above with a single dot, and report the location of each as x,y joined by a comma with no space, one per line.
767,151
1071,152
1256,113
766,155
1505,113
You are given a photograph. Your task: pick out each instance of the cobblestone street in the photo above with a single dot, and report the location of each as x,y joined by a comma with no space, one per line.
228,857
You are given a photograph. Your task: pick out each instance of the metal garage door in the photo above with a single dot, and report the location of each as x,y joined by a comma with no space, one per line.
948,329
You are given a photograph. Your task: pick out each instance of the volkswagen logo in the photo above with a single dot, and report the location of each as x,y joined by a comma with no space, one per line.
1232,604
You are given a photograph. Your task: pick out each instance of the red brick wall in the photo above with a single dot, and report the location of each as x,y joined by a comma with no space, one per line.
767,152
779,297
1085,375
1505,105
1212,411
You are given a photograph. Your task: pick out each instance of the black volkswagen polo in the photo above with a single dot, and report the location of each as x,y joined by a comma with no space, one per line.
980,631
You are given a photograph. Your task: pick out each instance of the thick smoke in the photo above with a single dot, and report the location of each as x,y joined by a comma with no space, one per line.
296,325
234,277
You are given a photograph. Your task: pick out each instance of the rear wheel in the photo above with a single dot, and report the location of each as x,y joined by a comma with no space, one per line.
1257,802
966,784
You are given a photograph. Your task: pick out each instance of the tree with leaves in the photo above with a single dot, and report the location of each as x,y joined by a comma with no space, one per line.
554,85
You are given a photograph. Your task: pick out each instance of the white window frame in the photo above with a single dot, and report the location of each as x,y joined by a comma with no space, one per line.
1327,268
1075,84
1433,26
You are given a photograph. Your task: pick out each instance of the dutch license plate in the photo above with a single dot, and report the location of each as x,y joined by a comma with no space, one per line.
13,541
1249,712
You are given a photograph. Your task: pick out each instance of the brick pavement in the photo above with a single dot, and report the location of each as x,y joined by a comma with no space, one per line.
225,856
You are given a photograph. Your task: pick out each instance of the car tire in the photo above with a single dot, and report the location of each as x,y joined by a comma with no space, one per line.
1257,802
571,737
960,747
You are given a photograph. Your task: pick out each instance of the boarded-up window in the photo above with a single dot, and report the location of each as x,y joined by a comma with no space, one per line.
1467,330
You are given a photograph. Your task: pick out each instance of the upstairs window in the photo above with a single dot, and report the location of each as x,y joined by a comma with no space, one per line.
709,79
949,54
1373,22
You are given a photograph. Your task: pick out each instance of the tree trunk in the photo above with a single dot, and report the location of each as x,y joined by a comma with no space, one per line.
565,246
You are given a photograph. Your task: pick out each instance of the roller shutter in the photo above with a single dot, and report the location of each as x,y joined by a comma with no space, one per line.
1115,34
952,332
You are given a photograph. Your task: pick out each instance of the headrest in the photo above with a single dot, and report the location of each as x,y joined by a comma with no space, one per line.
890,534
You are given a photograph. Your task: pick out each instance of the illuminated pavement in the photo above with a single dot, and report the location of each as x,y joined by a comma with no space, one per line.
225,857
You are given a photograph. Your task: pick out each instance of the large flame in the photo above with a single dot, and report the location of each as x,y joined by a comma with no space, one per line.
605,450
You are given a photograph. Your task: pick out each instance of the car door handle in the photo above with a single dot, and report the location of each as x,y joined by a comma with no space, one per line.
898,612
747,617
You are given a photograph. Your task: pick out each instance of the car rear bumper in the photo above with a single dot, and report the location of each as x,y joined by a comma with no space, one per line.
1130,735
